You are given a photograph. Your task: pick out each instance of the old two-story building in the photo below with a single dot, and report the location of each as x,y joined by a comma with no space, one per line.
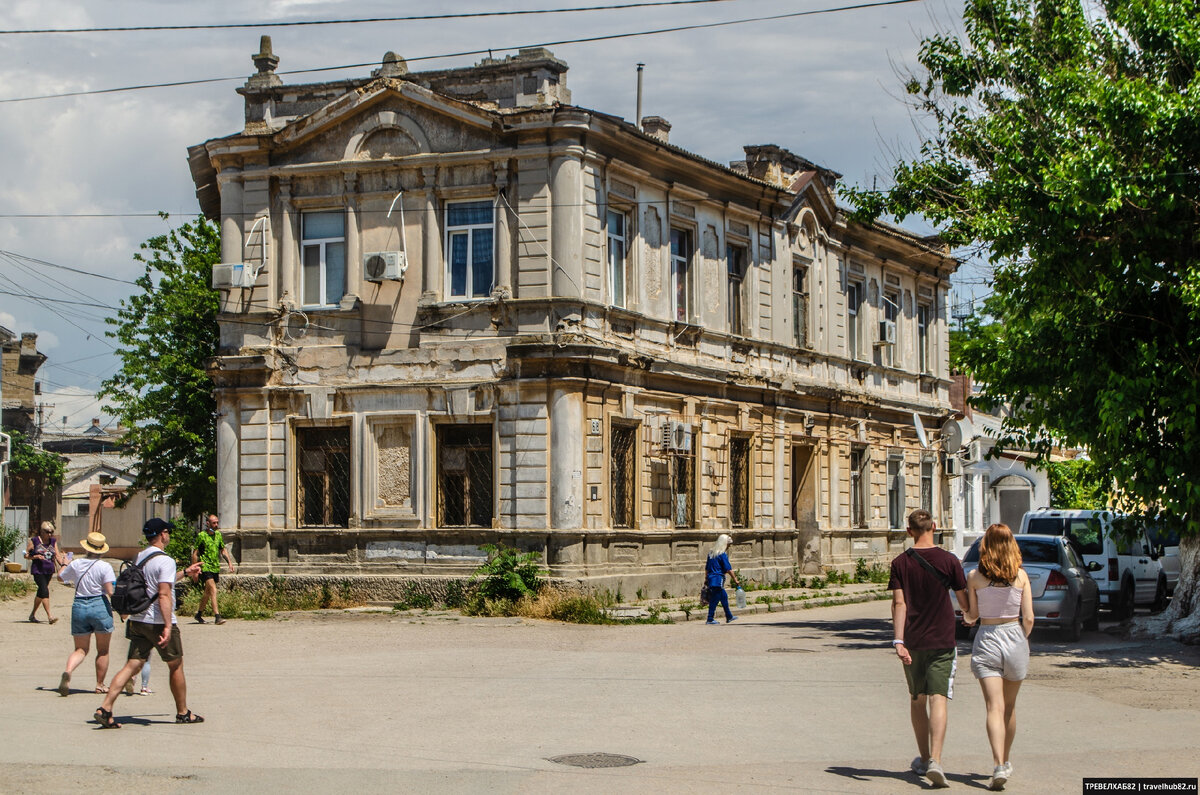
458,309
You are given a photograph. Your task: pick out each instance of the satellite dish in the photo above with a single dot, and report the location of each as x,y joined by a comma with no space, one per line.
952,435
921,437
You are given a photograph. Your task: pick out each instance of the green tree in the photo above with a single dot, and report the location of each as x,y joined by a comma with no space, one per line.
44,468
1077,483
1065,141
162,393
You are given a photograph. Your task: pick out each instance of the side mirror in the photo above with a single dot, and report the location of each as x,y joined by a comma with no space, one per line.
1094,566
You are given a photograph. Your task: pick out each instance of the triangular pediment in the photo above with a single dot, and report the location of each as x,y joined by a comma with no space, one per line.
384,119
813,195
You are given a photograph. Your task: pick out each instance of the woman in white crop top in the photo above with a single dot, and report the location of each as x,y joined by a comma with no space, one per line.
999,598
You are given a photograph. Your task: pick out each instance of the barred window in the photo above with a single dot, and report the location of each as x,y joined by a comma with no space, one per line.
464,476
622,482
858,505
323,480
739,481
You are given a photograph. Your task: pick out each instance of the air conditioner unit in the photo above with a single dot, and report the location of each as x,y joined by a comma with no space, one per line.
677,436
233,275
953,466
379,266
887,332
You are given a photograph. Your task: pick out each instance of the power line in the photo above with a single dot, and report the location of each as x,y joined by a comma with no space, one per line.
65,268
488,51
360,21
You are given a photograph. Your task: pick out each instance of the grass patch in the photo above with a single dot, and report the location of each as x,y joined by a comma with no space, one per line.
257,604
553,603
12,588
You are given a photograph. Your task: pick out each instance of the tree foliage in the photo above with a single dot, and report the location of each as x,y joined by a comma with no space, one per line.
162,393
42,467
1065,141
1077,483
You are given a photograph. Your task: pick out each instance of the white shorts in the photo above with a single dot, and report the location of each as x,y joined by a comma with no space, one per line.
1000,650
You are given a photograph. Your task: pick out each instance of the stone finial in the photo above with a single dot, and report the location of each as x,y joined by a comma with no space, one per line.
393,65
265,61
657,127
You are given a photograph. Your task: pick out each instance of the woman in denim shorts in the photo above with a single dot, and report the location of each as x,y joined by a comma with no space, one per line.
91,613
999,598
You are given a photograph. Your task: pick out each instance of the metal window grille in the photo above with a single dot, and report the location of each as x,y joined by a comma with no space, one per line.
466,492
739,482
323,482
857,512
682,494
895,492
927,485
621,480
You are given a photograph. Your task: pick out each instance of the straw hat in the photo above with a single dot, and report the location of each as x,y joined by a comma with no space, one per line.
95,543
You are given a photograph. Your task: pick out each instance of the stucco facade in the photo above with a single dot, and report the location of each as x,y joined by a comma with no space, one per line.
601,347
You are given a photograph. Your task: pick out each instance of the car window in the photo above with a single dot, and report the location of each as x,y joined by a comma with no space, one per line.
1045,526
1160,535
1072,558
1085,535
1037,551
972,555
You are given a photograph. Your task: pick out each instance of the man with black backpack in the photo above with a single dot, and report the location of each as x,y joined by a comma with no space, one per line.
923,629
148,594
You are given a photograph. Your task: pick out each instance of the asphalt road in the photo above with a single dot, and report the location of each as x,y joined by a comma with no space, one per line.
805,701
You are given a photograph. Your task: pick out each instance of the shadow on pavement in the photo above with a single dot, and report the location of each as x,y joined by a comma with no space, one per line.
868,774
857,633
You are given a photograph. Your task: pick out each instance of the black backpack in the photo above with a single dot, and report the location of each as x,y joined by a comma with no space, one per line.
130,594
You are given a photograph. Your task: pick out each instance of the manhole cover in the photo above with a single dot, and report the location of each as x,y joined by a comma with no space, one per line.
595,760
793,651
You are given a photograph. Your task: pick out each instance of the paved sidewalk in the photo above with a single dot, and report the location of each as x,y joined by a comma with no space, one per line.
799,701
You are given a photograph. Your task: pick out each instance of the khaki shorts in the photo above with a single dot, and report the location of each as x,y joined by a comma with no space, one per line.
931,672
144,637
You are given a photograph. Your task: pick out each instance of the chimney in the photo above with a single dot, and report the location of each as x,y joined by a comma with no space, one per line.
96,423
393,66
657,127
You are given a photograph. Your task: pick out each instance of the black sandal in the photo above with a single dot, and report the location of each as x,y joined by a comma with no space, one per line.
189,717
105,719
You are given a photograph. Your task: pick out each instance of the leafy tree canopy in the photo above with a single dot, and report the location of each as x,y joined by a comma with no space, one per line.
1065,139
162,393
45,467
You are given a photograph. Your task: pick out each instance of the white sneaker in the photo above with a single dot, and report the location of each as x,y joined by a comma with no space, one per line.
1008,768
935,774
999,778
919,765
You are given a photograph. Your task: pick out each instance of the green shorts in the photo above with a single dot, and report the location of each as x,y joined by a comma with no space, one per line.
143,638
931,672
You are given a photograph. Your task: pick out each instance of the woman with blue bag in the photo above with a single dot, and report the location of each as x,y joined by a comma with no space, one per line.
715,570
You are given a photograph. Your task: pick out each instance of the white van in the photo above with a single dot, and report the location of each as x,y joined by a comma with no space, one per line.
1166,544
1129,573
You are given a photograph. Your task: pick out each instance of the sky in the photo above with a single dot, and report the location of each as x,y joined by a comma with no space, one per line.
98,169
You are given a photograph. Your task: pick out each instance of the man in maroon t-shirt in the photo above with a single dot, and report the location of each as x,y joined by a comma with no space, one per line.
923,625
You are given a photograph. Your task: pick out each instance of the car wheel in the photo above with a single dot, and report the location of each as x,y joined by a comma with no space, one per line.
1124,608
1072,631
1160,596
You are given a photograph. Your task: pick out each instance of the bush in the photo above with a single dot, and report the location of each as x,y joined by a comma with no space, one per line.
414,599
240,602
10,538
508,574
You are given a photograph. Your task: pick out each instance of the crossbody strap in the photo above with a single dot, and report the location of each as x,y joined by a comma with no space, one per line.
83,574
942,578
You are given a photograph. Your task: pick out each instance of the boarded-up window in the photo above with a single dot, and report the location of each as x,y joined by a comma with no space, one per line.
465,476
395,466
323,480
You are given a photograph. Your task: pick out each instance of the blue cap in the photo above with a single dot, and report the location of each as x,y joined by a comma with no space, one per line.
153,527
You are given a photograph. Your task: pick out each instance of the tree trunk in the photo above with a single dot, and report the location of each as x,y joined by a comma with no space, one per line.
1183,616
